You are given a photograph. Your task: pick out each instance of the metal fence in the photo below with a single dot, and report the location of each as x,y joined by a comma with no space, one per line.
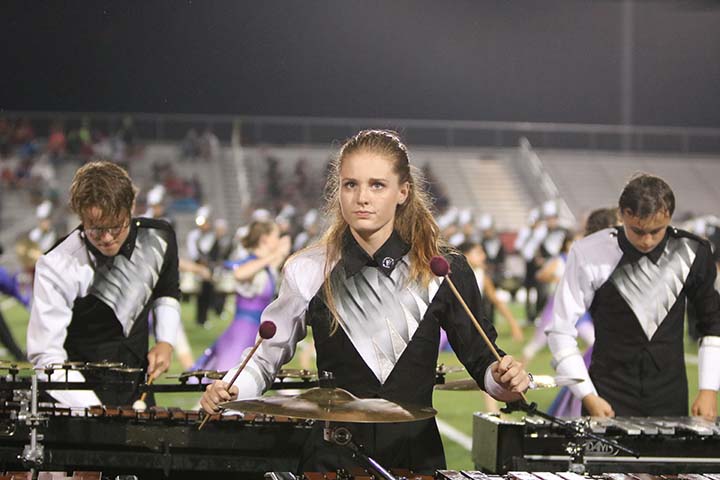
258,130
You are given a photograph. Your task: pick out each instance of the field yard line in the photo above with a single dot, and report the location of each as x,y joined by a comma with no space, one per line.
455,435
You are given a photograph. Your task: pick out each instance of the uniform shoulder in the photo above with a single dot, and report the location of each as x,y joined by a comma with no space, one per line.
606,236
305,271
310,257
457,261
679,233
600,244
66,253
69,245
156,223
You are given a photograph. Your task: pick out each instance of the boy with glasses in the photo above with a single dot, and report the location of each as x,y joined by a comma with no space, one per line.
94,290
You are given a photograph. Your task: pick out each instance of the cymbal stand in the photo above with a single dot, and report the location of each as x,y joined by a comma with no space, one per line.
341,436
33,454
579,431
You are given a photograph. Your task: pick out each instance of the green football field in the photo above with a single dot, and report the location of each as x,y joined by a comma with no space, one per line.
454,408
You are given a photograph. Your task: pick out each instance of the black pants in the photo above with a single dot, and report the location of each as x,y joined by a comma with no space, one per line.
204,302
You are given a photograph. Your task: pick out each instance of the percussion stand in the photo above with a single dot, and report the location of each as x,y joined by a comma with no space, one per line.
579,432
341,436
34,453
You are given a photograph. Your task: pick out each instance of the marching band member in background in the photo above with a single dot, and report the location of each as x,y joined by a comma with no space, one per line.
256,275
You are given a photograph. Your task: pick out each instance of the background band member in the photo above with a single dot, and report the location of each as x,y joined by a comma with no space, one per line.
635,280
257,281
93,291
199,244
44,235
376,309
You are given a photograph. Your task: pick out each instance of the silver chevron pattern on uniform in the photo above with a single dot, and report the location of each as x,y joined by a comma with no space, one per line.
652,289
379,314
127,286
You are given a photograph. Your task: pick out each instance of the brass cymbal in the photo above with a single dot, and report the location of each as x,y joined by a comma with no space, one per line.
211,374
127,370
105,364
548,381
539,382
333,404
67,366
301,373
443,369
464,385
13,365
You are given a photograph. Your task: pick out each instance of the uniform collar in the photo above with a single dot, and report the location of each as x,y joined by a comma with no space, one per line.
634,254
385,258
126,249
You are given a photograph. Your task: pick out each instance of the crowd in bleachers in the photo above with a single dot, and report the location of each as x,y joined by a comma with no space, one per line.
205,146
30,163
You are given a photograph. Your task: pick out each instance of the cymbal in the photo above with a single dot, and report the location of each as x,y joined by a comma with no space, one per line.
548,381
67,366
13,365
211,374
132,370
464,385
104,364
443,369
333,404
539,382
301,373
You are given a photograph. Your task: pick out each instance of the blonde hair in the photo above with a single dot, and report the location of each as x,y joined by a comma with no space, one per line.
414,221
104,185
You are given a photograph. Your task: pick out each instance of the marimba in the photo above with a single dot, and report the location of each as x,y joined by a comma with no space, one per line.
666,445
156,443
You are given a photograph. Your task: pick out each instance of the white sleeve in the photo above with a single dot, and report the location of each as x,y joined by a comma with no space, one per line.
497,391
50,316
287,311
708,361
166,311
522,237
573,297
191,245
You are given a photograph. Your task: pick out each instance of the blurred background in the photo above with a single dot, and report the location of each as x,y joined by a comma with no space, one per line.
524,116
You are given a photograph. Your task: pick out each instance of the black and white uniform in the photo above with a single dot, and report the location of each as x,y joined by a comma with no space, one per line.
637,302
528,244
199,246
386,345
88,307
495,253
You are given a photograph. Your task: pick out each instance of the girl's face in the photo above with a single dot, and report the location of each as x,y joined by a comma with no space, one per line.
370,191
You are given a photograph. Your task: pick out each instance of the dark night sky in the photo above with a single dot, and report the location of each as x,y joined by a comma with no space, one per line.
548,60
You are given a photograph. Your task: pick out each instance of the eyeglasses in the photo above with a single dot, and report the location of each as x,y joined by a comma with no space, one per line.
101,231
